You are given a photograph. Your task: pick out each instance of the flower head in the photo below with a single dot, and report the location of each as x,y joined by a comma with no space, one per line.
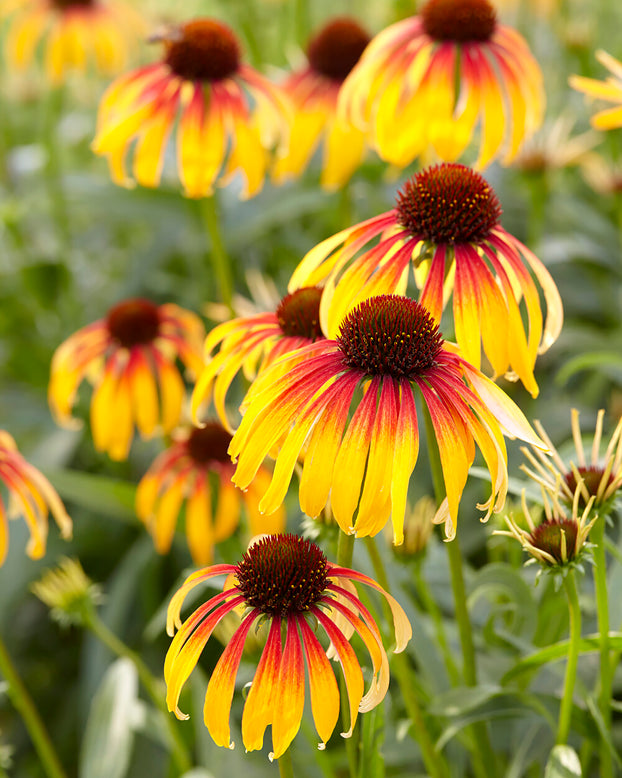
313,90
253,342
182,475
32,496
446,221
226,116
433,79
596,476
553,148
77,34
609,90
557,543
129,356
68,592
288,583
387,349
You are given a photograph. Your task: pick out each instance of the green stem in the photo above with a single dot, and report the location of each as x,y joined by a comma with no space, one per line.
574,611
435,765
602,610
484,759
345,549
286,768
53,168
218,254
431,607
179,752
30,716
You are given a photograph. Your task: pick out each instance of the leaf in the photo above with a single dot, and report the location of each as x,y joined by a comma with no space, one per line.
603,730
511,599
96,493
609,362
563,762
588,644
109,736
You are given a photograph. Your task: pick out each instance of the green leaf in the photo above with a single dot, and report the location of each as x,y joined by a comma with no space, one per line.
563,762
603,730
107,496
511,599
589,644
605,361
109,736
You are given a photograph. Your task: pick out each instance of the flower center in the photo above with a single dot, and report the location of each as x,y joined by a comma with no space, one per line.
459,20
202,50
64,5
547,536
337,47
448,203
592,476
282,574
390,335
133,322
298,313
209,444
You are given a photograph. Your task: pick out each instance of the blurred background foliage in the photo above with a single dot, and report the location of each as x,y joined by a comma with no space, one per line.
72,244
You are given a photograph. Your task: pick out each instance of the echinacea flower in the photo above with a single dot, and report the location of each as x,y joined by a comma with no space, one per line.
288,583
253,342
69,593
77,34
446,221
313,90
597,477
185,474
386,348
557,543
609,90
129,357
226,116
436,78
32,496
553,147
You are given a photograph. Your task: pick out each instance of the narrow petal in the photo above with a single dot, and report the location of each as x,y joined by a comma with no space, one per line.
289,699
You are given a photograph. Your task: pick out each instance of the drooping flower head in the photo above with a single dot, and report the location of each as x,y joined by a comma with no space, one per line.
186,474
446,221
437,78
77,34
387,350
609,90
227,117
313,90
32,496
559,541
596,476
129,357
251,343
288,583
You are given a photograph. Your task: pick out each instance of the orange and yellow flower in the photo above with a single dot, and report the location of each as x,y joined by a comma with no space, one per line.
289,583
253,342
77,33
129,357
181,475
227,117
313,90
32,496
609,90
348,406
446,221
435,79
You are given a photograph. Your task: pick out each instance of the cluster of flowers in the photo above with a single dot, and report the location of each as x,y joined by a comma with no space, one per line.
339,368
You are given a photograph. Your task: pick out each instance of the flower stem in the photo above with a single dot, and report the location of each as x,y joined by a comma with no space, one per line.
179,752
218,254
484,760
30,716
53,168
434,763
345,549
574,612
602,610
286,768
